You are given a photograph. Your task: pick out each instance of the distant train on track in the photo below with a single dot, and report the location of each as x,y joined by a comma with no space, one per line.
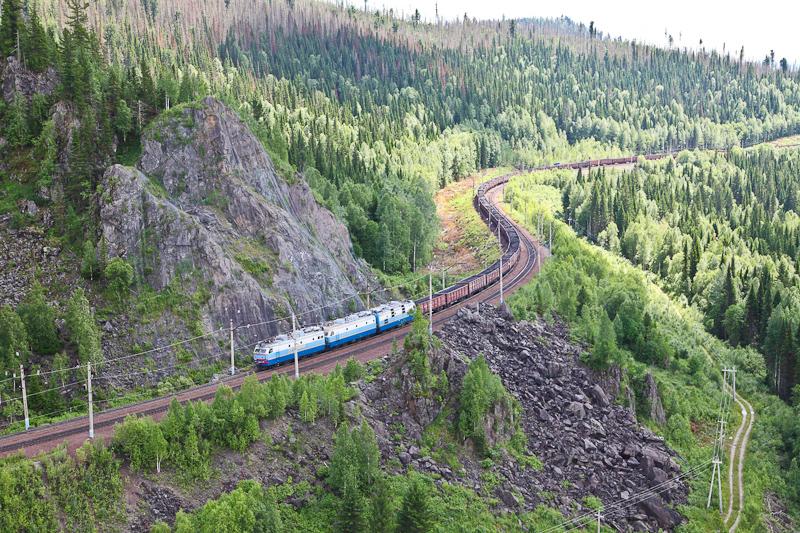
352,328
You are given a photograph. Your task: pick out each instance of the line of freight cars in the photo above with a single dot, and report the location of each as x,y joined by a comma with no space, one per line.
357,326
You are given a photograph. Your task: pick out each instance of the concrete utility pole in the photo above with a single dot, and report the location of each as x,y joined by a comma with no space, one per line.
24,398
716,469
430,304
294,345
233,366
443,280
89,390
500,243
368,301
599,516
550,240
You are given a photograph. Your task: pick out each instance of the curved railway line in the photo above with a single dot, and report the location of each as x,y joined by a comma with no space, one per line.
520,262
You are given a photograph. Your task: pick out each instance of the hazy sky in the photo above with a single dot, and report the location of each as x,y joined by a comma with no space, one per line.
758,26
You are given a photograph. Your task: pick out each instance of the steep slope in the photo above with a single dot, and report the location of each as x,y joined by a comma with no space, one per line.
206,207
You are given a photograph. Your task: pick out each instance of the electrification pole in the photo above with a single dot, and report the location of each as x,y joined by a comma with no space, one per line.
24,398
500,243
294,345
233,366
430,303
89,390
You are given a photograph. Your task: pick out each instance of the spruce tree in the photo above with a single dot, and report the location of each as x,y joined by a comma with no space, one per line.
11,28
415,513
351,517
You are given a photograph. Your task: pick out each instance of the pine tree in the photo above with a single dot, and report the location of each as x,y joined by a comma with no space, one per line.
308,407
415,513
89,266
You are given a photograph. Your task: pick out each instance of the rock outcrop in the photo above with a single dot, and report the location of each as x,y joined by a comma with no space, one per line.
589,445
206,208
17,80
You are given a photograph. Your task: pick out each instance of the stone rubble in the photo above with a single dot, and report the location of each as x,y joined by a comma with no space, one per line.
588,444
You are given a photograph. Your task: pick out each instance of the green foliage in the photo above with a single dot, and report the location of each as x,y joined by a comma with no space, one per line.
188,449
355,454
87,490
415,514
417,346
39,319
16,128
90,265
481,393
13,340
246,509
141,442
352,370
351,516
230,424
382,512
119,277
160,527
23,502
82,327
308,407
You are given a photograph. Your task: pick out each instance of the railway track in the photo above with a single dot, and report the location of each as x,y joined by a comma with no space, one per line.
74,431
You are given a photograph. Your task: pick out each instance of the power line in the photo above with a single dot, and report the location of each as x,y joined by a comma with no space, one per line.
620,505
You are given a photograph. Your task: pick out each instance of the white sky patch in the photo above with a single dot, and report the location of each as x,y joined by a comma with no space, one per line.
758,26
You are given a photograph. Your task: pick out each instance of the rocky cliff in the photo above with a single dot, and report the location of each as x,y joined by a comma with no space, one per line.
588,445
205,209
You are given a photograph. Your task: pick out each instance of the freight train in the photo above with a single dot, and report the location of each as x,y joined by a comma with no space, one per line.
352,328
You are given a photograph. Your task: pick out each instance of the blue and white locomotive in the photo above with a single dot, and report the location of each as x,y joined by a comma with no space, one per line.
315,339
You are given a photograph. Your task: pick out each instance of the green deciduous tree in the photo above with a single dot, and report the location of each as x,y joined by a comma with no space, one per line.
14,347
141,441
39,319
481,391
82,328
119,276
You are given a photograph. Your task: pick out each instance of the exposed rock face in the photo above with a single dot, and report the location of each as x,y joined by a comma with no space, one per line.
588,444
206,200
16,79
654,400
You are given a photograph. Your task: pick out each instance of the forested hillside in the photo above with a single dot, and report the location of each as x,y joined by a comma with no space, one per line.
720,230
378,111
184,116
629,323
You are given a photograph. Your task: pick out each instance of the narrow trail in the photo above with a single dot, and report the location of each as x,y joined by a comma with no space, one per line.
748,416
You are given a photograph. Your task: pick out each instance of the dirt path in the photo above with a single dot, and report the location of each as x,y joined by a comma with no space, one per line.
748,416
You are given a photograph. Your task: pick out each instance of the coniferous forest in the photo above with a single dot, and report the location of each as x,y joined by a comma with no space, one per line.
376,111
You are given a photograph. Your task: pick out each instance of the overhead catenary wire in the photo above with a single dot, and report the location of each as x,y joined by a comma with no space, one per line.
619,505
205,335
